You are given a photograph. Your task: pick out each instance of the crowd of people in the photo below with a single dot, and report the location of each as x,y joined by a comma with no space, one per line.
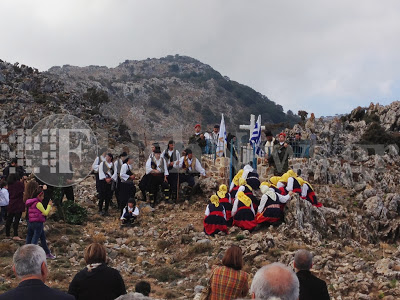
243,207
228,280
247,203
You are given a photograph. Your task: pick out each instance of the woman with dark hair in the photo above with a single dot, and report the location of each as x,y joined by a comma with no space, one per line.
229,281
97,280
16,204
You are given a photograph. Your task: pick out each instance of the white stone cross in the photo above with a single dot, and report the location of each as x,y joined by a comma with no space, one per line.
251,126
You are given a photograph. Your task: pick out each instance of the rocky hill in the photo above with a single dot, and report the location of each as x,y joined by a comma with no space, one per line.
354,169
168,95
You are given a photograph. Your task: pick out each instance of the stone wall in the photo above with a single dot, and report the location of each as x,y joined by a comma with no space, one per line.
218,169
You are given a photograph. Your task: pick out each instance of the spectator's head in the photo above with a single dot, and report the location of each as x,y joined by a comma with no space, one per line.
109,157
143,287
303,260
30,261
233,258
3,184
12,178
154,146
282,137
171,145
14,162
30,188
123,155
95,253
131,202
297,136
197,128
157,153
128,160
275,281
38,193
268,135
189,153
216,128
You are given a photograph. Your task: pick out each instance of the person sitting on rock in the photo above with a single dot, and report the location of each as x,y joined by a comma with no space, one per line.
288,183
130,212
248,191
272,205
243,212
226,202
251,177
215,217
235,183
307,192
189,166
272,184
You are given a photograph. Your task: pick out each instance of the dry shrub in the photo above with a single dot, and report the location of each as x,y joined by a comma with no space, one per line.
165,274
127,253
99,238
200,248
58,275
162,244
7,249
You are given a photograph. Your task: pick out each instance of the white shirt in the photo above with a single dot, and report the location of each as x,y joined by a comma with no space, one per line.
269,146
117,162
235,207
198,167
264,199
133,210
102,176
4,197
170,152
158,162
207,212
96,163
124,169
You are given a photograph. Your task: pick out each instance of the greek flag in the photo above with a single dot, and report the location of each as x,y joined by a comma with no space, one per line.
221,144
255,139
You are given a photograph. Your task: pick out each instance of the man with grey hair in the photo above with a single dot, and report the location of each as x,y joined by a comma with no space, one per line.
29,265
275,282
311,287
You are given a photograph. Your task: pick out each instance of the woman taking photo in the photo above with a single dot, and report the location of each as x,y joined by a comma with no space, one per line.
229,281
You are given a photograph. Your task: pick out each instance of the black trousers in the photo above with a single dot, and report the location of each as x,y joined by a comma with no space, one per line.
105,195
10,217
127,190
154,182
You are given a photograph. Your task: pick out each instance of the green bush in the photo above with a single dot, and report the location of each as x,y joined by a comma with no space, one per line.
74,213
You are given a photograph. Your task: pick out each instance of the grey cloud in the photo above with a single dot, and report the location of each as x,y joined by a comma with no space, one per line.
322,56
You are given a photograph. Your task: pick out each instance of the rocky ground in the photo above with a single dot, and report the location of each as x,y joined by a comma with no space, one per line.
169,249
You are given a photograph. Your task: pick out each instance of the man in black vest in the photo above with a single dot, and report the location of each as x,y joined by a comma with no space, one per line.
171,156
156,168
311,287
106,177
31,268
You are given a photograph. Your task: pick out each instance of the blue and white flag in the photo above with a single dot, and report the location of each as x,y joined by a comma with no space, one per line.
222,141
255,139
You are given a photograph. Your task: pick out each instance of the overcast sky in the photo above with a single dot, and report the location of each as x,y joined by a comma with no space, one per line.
325,57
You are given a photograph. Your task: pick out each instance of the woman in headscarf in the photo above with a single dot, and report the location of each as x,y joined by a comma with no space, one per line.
243,212
226,202
307,192
215,217
271,206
